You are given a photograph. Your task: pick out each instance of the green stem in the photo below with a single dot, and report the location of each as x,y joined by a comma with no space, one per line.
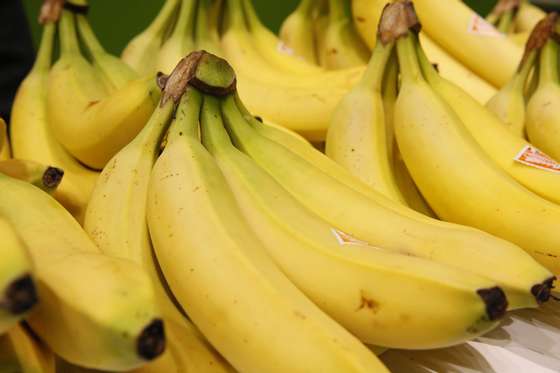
506,21
159,24
429,71
186,116
214,134
408,59
337,10
306,7
549,63
68,37
520,80
235,121
185,23
234,15
153,132
87,34
43,61
373,76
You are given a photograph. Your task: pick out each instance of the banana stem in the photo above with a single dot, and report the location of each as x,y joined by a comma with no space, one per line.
506,22
159,24
429,71
187,116
153,132
251,15
520,80
44,55
68,37
88,36
185,23
214,135
549,63
202,20
408,58
234,15
306,7
337,10
373,76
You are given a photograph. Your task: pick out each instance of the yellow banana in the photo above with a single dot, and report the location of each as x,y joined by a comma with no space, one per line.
5,148
250,311
296,31
351,281
32,355
104,305
47,178
519,38
357,137
17,287
32,136
320,23
528,16
438,150
206,34
116,222
543,122
91,123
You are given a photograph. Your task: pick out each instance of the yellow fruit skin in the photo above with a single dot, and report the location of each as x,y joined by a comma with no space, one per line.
297,32
527,17
5,151
33,356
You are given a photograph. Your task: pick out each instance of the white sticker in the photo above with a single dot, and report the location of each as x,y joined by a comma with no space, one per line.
283,48
479,26
346,239
533,157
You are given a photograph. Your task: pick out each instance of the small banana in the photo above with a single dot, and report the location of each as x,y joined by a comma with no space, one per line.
5,148
296,31
140,51
47,178
18,293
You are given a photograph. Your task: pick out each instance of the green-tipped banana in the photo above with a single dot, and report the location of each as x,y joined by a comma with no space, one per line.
47,178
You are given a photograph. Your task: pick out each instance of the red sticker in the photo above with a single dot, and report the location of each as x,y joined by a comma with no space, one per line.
533,157
479,26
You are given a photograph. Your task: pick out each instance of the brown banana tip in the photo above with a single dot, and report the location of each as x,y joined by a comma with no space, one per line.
52,177
50,11
504,6
151,342
176,83
20,296
397,19
495,301
542,292
543,30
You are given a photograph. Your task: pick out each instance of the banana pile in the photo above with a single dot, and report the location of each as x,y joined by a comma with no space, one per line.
159,214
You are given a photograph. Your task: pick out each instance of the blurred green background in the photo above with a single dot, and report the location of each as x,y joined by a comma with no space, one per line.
117,21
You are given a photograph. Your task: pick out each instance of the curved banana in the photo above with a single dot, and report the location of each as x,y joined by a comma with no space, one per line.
316,181
33,356
528,16
140,51
91,123
104,305
543,122
366,17
32,136
350,281
498,143
458,179
5,149
296,31
225,280
357,136
17,285
47,178
343,47
182,39
116,222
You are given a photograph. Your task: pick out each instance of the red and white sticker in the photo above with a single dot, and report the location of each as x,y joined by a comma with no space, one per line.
479,26
346,239
283,48
533,157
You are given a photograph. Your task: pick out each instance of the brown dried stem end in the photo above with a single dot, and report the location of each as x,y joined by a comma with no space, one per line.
50,11
176,83
396,20
52,177
504,6
151,341
20,296
543,31
495,301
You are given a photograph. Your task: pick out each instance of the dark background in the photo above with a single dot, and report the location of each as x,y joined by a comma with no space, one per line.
117,21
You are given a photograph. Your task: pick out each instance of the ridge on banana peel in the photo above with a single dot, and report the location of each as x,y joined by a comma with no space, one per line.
297,239
502,146
18,293
87,119
47,178
116,222
32,136
253,295
113,325
500,206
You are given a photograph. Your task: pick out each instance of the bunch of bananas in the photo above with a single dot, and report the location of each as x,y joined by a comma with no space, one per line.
160,215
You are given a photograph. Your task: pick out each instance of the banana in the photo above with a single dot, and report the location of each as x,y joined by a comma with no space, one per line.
206,32
366,17
91,123
5,149
32,136
32,355
47,178
357,136
316,181
343,47
251,312
520,38
543,124
320,23
438,149
499,144
528,16
503,15
181,41
114,71
271,48
104,305
140,51
116,222
308,251
17,286
296,32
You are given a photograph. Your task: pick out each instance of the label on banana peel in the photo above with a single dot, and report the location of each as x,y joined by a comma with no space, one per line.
479,26
283,48
533,157
346,239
